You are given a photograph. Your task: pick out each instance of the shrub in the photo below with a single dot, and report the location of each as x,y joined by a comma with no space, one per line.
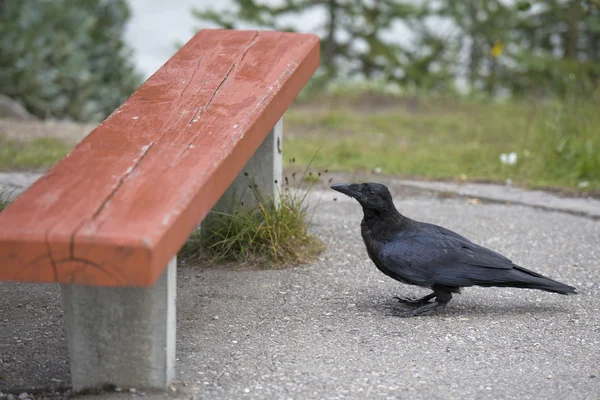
66,58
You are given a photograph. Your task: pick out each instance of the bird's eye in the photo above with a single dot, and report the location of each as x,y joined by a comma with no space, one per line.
372,192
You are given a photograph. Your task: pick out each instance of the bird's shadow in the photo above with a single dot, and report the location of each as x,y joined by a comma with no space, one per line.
390,307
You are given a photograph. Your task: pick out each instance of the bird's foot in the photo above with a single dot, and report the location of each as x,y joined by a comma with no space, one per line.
416,302
426,309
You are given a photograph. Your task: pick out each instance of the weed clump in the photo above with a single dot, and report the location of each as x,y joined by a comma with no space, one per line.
273,234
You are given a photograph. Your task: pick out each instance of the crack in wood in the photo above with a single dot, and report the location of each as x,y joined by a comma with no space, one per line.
92,264
128,172
201,110
192,78
235,64
252,43
56,265
214,94
219,87
101,207
51,257
194,115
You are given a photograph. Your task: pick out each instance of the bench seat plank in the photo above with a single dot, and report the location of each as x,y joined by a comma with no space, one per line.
120,205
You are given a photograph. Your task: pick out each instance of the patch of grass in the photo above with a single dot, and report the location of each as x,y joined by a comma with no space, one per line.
6,197
568,142
269,235
557,144
39,153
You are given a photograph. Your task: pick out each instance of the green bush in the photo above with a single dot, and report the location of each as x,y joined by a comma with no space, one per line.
66,58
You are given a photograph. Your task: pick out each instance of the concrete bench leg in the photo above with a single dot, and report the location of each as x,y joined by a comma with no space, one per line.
122,336
265,168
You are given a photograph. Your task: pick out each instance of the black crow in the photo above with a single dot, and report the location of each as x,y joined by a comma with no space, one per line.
428,255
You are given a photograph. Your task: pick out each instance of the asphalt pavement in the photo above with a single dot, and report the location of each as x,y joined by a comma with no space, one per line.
330,330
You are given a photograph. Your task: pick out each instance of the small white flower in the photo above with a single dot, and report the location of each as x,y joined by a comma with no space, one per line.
509,159
583,184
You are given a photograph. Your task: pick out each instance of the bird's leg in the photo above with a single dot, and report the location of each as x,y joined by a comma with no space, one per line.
441,299
417,302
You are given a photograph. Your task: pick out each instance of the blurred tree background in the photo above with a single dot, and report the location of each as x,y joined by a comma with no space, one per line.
480,79
66,59
398,78
523,48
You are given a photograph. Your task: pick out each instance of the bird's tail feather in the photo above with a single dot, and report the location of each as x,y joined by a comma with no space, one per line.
523,278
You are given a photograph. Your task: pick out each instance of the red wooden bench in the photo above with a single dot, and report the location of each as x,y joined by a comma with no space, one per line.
107,221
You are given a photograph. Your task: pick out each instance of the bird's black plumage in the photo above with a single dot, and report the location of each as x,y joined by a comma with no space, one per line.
428,255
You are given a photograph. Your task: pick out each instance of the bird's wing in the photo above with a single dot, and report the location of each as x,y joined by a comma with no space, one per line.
427,258
440,230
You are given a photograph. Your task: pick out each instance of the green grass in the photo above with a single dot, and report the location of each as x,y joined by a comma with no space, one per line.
39,153
557,144
6,197
363,128
269,236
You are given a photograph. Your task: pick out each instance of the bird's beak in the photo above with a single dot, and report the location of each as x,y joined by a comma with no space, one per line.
348,189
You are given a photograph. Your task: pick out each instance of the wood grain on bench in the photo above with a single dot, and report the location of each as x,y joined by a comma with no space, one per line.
121,204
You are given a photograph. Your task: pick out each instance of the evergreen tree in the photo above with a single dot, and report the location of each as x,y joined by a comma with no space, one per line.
356,38
543,47
484,28
547,47
559,48
66,58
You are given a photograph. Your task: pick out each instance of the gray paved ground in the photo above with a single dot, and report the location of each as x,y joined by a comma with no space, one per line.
329,330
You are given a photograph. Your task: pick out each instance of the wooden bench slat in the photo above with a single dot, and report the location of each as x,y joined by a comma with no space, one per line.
120,205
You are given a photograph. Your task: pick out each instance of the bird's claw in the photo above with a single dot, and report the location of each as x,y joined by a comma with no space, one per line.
417,302
426,309
411,300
